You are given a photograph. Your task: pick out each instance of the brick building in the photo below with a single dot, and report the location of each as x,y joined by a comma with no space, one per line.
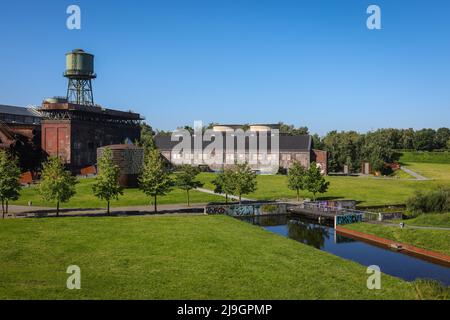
73,132
20,133
290,149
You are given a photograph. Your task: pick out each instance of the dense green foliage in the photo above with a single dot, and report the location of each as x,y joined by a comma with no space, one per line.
154,180
431,201
57,184
9,180
296,178
186,179
244,180
146,141
224,183
314,181
174,257
378,147
106,185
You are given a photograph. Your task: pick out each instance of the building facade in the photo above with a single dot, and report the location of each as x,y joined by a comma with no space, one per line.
73,132
270,160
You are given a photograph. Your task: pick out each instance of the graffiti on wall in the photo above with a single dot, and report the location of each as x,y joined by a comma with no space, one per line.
348,218
243,210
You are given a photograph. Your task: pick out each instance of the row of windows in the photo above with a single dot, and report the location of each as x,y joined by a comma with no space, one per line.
11,118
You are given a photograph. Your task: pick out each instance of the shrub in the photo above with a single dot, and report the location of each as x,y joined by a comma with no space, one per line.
435,201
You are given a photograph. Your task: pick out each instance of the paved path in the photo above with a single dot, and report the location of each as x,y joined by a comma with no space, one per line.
407,226
414,174
23,211
222,194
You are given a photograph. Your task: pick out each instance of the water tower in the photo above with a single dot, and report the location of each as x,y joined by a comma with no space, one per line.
80,72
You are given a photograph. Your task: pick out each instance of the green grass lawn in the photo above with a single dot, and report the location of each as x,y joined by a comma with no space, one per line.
183,257
436,240
426,157
366,190
437,171
84,197
431,220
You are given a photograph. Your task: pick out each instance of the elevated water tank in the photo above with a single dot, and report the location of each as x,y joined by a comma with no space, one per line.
79,65
129,159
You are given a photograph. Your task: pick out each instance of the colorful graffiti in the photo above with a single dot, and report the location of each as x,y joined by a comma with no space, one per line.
244,210
348,218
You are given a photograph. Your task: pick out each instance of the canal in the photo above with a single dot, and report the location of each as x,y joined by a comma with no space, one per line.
324,237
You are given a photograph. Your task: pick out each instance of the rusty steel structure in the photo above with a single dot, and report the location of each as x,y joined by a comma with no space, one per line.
73,132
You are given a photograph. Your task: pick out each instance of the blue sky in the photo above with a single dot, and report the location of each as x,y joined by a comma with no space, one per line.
309,63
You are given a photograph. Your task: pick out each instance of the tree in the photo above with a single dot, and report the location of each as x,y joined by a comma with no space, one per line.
9,180
314,181
186,179
223,183
106,185
146,141
155,179
57,184
296,178
448,144
244,180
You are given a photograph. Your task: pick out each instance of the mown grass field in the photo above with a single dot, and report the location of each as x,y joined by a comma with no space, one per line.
184,257
84,197
425,157
367,190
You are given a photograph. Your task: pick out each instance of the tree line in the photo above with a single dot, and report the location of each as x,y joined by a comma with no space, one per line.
350,148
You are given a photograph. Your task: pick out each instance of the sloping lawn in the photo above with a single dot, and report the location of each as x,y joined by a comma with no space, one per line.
84,197
436,240
196,257
437,171
366,190
431,220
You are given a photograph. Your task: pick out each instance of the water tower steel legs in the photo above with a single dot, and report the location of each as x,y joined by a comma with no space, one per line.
79,91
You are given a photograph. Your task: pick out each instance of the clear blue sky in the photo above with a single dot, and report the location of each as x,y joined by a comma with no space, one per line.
309,63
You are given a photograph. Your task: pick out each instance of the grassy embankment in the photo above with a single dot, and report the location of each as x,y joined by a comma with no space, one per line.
196,257
437,240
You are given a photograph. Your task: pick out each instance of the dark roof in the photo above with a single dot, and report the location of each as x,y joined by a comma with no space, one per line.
286,143
19,111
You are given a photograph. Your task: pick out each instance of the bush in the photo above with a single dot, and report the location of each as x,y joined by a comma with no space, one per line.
435,201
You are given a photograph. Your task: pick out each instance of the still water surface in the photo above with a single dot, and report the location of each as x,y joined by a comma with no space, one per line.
323,237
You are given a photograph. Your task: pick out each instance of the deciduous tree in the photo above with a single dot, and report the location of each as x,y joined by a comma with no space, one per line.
57,184
9,180
296,178
244,180
315,181
186,179
155,179
224,183
106,185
